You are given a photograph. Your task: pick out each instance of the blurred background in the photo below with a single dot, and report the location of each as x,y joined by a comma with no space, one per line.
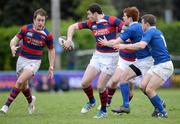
69,66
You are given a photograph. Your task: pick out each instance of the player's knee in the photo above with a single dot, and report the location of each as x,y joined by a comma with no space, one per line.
148,90
100,89
142,87
19,85
84,85
115,80
113,86
20,81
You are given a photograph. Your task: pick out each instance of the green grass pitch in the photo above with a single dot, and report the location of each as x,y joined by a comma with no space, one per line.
64,108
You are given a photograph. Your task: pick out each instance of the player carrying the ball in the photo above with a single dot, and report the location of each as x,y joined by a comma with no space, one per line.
104,60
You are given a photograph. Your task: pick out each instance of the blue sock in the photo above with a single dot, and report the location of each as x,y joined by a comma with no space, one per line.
125,91
157,102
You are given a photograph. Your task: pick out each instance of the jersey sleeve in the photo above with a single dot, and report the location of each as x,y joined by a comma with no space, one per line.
115,22
147,36
126,35
21,32
49,41
84,24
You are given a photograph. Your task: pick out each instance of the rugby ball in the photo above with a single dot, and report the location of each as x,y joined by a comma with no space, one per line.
62,40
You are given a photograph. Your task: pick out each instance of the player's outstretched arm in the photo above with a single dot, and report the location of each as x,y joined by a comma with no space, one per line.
70,34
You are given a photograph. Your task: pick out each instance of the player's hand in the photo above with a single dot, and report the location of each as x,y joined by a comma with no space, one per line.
67,44
119,46
14,50
103,41
51,72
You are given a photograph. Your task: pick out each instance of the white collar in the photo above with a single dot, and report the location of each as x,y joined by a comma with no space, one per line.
133,23
151,27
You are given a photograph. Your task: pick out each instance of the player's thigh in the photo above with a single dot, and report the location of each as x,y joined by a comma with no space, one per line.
117,75
127,75
160,73
122,66
155,82
89,74
145,80
25,76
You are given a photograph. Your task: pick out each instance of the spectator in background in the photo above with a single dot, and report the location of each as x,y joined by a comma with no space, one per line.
43,84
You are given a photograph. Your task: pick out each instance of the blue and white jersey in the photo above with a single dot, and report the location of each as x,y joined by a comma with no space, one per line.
135,33
157,45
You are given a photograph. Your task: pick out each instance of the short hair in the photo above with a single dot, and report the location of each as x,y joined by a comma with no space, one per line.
94,7
41,12
132,12
149,18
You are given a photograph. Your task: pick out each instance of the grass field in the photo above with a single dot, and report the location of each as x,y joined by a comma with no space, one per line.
64,108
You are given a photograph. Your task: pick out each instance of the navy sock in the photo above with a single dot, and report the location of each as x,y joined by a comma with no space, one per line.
13,94
92,100
103,98
125,91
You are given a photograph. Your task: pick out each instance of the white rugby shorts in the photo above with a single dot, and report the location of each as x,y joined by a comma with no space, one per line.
164,70
104,62
123,64
144,64
24,63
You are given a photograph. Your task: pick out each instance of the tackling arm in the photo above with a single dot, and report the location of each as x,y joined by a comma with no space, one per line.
135,46
110,43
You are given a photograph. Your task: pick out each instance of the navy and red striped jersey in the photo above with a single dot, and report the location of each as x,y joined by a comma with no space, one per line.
128,55
33,42
107,27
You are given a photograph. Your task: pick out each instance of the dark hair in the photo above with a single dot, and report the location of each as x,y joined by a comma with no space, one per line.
41,12
132,12
94,7
149,18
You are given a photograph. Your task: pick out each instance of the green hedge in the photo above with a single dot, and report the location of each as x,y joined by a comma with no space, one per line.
6,60
172,36
83,40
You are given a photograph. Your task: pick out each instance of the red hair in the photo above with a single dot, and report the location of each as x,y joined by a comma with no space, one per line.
132,12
